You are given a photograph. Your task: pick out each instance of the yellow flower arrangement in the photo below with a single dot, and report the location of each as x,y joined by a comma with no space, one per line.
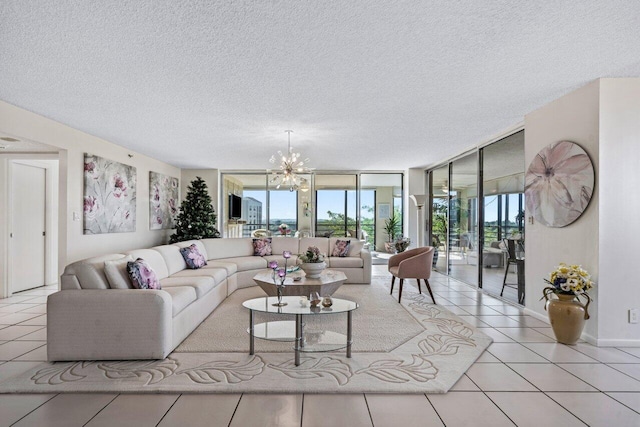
570,279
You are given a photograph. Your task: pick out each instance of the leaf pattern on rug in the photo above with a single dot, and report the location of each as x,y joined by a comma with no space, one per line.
316,368
223,371
453,327
425,309
447,345
151,372
398,371
454,335
60,373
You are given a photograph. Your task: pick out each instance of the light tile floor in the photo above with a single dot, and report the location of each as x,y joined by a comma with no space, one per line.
525,378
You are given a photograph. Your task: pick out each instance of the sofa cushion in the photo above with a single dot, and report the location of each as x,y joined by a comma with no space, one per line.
172,258
218,274
321,243
340,248
355,245
193,257
345,262
181,297
154,259
87,274
116,272
202,285
142,275
245,263
281,244
231,267
198,243
226,248
262,246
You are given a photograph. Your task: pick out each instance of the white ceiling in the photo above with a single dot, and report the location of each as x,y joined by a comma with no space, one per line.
372,84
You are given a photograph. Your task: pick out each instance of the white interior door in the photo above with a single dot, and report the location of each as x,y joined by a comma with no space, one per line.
28,227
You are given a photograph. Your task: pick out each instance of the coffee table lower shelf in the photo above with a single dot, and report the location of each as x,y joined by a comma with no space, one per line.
287,331
312,341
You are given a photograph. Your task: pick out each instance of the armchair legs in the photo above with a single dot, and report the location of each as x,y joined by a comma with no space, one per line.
393,280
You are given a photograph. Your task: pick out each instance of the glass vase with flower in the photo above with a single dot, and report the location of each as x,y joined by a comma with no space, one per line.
279,275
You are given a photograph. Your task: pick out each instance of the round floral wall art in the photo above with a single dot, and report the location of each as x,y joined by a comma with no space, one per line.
559,184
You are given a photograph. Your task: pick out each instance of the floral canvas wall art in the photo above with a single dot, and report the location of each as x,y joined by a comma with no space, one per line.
559,184
109,196
163,201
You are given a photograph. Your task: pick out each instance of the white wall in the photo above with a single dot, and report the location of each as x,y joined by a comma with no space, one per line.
573,117
74,245
619,227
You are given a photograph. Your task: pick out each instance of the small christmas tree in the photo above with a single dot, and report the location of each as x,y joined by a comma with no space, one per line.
197,218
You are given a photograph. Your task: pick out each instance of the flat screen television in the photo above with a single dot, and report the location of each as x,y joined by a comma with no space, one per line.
235,206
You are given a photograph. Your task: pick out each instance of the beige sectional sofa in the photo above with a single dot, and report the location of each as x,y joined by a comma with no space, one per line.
99,316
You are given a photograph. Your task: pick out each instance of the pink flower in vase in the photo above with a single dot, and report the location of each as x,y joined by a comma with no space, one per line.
286,254
273,265
282,274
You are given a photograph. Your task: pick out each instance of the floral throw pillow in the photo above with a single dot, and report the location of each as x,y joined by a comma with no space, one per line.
193,257
341,249
142,275
262,247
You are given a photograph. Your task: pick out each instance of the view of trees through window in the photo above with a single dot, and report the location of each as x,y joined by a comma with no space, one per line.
336,213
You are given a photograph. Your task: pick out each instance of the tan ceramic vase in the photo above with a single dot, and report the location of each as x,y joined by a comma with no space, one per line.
567,316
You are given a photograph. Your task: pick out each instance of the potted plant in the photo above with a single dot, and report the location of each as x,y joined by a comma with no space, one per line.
566,313
435,242
284,229
312,262
391,226
401,244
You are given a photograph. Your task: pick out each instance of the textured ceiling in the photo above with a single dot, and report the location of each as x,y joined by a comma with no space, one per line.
364,84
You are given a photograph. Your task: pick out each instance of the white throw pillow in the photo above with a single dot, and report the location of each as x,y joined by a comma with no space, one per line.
116,272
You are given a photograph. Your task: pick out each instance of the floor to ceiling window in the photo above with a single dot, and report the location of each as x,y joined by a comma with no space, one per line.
336,204
503,190
480,240
463,219
440,217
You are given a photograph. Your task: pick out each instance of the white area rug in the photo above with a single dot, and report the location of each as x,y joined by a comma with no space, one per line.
413,347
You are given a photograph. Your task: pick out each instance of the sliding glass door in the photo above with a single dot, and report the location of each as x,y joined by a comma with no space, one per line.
473,231
503,189
440,217
463,219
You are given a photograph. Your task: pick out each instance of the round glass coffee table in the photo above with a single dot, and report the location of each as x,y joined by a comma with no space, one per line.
317,341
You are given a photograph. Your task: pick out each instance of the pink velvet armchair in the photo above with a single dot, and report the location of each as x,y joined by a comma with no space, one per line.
412,264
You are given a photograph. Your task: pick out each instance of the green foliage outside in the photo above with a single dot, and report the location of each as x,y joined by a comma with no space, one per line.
197,218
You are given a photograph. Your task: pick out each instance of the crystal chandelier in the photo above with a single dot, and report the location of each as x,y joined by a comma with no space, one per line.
291,167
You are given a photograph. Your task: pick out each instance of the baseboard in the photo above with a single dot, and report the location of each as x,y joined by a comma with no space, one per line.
617,343
587,337
537,315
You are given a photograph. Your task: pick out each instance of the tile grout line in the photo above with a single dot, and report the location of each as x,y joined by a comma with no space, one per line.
34,409
102,409
235,410
169,410
366,402
434,408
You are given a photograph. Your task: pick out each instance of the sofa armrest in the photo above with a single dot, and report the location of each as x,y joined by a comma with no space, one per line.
109,324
